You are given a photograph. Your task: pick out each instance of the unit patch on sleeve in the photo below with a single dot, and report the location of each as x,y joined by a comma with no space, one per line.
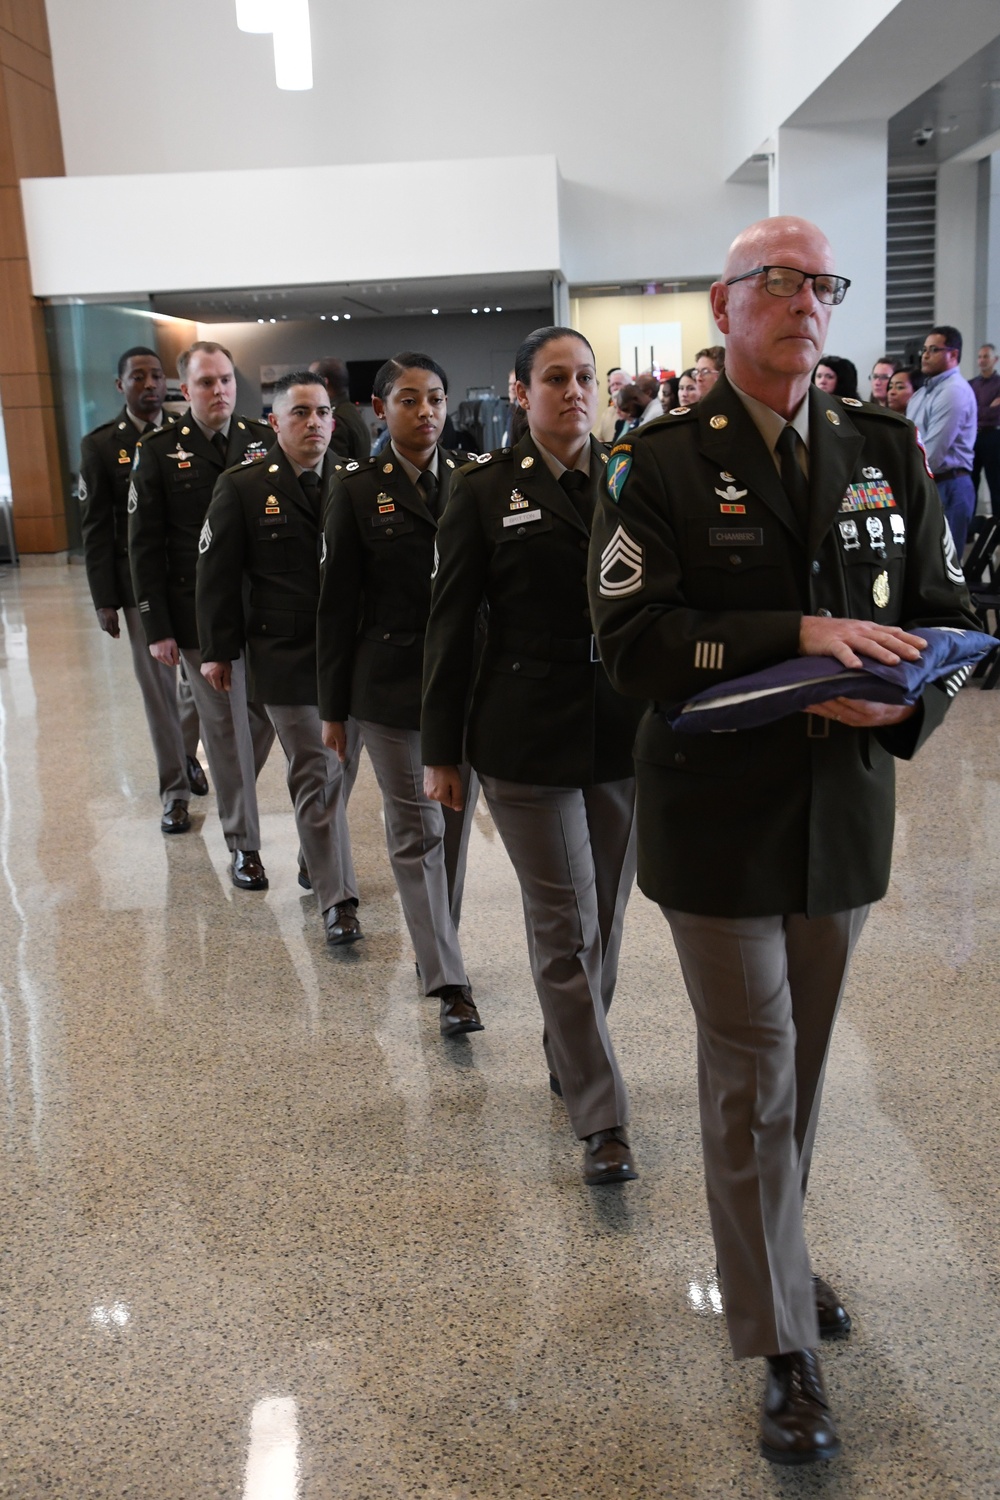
621,566
617,472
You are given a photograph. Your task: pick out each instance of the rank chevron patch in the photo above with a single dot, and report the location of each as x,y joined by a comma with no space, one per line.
621,566
205,540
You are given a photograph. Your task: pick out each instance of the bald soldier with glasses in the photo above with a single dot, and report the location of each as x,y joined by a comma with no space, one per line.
769,521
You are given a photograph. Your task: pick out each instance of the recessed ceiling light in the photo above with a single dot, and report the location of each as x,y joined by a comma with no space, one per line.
260,320
335,317
434,311
347,317
272,320
322,317
475,309
498,309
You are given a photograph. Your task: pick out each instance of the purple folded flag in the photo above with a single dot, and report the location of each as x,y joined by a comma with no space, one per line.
790,686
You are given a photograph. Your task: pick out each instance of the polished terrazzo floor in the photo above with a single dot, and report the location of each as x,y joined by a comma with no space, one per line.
263,1235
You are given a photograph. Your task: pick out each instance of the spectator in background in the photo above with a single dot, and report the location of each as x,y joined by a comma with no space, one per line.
648,387
708,366
836,376
351,438
631,405
882,372
986,389
668,392
687,388
944,410
901,387
507,440
608,424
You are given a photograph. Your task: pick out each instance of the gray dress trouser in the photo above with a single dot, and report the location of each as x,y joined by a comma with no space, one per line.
428,847
320,788
573,851
765,993
237,736
170,713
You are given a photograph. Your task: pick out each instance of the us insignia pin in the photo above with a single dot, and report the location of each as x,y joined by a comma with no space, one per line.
387,468
718,422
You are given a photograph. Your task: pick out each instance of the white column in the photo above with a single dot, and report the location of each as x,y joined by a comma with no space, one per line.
987,311
836,175
957,288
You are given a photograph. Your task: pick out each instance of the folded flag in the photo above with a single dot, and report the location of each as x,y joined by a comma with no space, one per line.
761,697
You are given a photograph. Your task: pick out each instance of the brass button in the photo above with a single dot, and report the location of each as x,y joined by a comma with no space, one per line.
516,667
824,614
386,636
735,559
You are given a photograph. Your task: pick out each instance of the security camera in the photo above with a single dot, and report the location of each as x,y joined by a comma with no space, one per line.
924,135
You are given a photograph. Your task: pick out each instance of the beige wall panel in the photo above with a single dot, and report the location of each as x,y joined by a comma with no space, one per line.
12,240
34,127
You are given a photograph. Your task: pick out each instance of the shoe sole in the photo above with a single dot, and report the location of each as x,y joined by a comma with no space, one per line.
250,885
342,942
840,1331
178,828
809,1456
461,1030
555,1087
623,1176
305,882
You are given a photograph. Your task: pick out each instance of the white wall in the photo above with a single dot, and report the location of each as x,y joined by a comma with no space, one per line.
631,105
955,279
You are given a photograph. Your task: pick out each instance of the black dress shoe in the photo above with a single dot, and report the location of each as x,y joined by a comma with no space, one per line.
555,1085
304,880
247,872
607,1157
342,925
833,1318
795,1422
458,1011
175,818
197,780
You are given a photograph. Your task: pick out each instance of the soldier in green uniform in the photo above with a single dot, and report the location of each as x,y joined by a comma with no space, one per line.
172,481
548,735
257,590
351,439
106,457
769,521
380,527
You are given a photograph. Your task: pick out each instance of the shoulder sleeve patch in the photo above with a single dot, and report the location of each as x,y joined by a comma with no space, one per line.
617,471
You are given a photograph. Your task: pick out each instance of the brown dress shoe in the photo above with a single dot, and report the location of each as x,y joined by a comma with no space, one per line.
247,872
342,925
175,818
795,1422
197,780
458,1011
607,1157
833,1317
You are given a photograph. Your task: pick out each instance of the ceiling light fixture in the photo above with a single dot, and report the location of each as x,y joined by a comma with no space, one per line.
288,24
347,317
434,311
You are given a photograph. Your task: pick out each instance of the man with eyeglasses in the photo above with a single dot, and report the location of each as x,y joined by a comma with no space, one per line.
767,522
944,411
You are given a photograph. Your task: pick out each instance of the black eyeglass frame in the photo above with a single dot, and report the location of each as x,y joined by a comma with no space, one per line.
842,282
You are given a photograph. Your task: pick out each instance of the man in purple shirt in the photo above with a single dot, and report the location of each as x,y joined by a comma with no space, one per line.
986,389
944,410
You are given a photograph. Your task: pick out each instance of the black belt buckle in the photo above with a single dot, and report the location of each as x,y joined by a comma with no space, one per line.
595,655
817,728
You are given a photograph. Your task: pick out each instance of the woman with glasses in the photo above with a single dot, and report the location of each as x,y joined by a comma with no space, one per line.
549,737
708,366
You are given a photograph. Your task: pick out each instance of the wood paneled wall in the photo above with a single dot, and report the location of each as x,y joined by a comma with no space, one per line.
30,146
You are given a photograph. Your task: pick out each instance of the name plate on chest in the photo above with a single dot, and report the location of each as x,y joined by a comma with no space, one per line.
736,536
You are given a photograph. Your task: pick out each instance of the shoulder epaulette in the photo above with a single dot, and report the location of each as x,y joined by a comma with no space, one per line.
104,427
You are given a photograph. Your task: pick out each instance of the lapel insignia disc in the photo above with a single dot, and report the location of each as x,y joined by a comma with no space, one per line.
526,463
833,419
880,590
387,468
272,468
121,426
718,422
621,565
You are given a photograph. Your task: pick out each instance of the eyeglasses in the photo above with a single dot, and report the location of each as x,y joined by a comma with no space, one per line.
785,281
879,379
934,349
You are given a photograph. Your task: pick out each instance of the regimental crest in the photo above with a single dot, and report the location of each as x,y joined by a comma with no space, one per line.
133,500
205,539
621,566
617,473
